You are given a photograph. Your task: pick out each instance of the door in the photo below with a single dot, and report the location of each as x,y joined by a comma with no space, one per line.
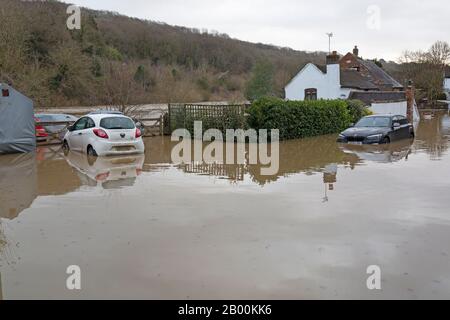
396,129
76,136
85,133
404,127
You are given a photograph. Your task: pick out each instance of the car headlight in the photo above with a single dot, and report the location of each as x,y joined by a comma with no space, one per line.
342,136
375,137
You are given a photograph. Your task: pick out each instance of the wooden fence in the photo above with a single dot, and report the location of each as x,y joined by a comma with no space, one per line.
222,117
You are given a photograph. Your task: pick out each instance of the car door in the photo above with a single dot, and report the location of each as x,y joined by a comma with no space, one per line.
75,140
86,133
396,131
405,127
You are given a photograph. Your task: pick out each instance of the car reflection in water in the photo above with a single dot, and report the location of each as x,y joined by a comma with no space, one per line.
109,172
387,153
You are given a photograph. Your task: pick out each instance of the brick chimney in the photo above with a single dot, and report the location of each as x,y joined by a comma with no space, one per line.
333,71
356,51
410,100
333,58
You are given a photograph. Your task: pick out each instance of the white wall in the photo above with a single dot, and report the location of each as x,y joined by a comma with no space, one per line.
328,85
447,84
397,108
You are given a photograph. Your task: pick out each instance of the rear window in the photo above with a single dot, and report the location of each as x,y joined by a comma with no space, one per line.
117,123
44,117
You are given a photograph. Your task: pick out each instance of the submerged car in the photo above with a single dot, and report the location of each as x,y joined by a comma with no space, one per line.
103,134
43,132
378,129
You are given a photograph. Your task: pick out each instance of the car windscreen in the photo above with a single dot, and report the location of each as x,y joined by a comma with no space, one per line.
374,122
112,123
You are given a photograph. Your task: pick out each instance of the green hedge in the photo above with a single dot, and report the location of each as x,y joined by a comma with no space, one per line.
357,110
299,119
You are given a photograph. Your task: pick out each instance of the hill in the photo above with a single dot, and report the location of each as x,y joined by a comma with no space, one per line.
116,57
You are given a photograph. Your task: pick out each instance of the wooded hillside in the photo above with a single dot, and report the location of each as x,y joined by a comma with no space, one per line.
117,57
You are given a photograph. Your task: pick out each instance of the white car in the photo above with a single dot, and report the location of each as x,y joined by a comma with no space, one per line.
103,134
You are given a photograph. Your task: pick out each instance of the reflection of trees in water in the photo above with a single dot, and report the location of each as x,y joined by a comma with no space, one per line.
433,135
306,155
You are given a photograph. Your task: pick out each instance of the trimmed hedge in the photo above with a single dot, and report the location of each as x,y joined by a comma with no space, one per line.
357,110
300,119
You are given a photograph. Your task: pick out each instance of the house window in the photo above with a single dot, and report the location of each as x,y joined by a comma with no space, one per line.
311,94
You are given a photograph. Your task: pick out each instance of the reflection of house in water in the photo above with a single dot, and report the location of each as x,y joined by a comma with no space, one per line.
329,178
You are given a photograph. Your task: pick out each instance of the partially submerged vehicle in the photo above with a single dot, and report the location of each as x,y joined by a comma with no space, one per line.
378,129
103,134
43,132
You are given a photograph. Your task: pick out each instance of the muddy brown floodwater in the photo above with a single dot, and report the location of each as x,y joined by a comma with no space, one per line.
140,227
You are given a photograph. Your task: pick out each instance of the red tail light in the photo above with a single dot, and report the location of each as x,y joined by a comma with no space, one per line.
40,130
102,176
101,133
138,133
5,93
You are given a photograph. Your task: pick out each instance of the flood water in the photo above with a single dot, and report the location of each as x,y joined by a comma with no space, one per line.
140,227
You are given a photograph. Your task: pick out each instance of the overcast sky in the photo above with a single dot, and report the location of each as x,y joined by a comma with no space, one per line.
301,25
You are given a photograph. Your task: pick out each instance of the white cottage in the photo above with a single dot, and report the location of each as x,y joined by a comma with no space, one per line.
351,77
447,82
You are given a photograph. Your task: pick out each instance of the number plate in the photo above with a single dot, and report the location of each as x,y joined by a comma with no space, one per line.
358,143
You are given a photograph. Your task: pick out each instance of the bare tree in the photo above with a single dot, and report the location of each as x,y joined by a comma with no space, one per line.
439,53
121,92
426,69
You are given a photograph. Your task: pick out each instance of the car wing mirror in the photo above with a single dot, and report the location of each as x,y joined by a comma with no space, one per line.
70,128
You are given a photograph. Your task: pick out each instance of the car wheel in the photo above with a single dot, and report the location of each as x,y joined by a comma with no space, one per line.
386,140
91,152
412,135
66,145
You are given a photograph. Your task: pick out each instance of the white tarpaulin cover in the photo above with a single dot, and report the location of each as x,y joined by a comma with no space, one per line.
17,126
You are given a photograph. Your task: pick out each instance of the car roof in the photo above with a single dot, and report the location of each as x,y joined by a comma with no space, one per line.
100,116
106,112
54,115
385,115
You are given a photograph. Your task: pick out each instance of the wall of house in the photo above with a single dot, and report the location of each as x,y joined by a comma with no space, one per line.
398,108
447,84
328,85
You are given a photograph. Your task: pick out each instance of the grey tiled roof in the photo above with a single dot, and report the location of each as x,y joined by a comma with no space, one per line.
378,76
353,79
381,96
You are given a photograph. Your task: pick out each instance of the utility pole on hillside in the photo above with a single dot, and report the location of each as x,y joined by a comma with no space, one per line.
330,35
